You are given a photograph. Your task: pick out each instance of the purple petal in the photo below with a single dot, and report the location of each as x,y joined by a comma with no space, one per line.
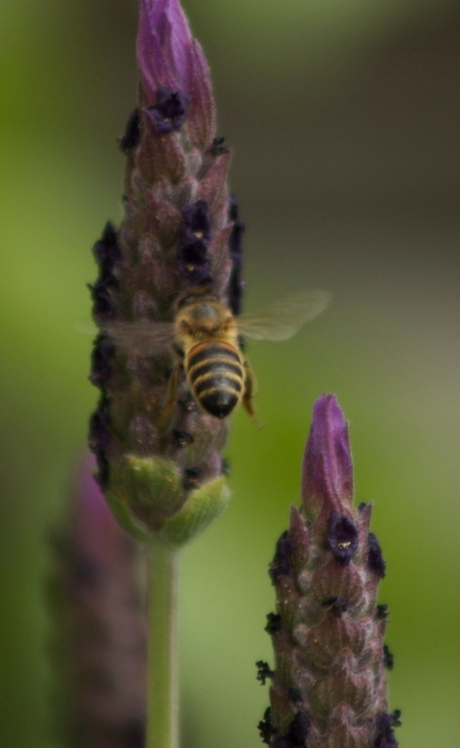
196,218
96,532
327,473
163,46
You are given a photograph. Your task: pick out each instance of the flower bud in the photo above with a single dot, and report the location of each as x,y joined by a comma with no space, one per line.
328,688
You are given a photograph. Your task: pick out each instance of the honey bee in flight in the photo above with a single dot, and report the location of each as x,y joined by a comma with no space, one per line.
204,339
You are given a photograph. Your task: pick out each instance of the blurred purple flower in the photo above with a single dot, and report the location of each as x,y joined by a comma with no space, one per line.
100,640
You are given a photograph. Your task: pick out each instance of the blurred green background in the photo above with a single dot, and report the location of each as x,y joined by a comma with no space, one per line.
344,118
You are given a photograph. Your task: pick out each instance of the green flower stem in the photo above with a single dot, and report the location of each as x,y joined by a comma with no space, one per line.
163,686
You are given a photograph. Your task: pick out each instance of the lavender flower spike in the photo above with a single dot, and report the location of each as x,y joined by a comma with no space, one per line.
328,688
159,457
100,616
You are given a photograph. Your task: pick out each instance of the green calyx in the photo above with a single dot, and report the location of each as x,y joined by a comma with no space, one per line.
148,499
202,507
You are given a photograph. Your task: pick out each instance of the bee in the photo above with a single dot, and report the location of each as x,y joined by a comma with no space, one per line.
205,340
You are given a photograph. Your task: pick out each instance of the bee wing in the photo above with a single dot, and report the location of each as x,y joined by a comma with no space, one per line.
284,318
146,338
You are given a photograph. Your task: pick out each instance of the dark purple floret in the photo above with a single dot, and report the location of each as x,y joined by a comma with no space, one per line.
298,729
219,147
342,538
191,478
103,307
265,727
99,439
225,466
132,134
235,291
297,734
338,605
263,671
236,254
102,476
381,612
107,253
187,403
192,261
169,112
182,438
101,368
284,743
295,695
386,741
233,207
192,267
273,623
238,225
281,562
388,658
385,734
375,560
99,435
196,218
106,250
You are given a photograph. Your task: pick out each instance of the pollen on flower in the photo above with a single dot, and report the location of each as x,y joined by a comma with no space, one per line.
342,538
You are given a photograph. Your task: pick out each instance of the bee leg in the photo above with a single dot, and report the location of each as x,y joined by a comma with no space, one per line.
171,397
248,394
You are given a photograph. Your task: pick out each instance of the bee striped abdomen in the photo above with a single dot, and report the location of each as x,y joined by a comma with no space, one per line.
216,377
